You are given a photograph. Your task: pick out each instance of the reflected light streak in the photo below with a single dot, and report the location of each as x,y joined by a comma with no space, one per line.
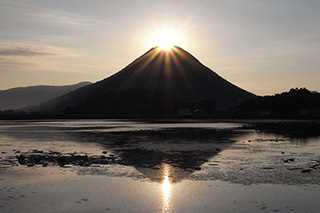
166,190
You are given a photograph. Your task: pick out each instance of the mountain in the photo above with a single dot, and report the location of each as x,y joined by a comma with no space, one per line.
173,73
21,97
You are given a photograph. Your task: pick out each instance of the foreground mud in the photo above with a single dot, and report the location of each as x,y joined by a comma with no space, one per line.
234,155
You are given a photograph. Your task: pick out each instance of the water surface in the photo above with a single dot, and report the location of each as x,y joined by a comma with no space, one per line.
166,166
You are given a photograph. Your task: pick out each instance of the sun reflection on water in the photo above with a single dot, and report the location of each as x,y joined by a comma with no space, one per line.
166,189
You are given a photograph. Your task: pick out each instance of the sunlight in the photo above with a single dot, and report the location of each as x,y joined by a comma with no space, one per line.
166,185
166,39
166,189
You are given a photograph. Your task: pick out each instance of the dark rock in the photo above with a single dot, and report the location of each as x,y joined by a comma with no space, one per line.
267,168
306,170
289,160
316,166
62,161
21,159
296,168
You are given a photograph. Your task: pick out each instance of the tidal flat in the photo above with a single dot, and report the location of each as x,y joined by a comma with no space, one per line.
159,166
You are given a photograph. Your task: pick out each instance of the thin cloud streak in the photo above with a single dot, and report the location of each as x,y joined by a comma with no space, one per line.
22,49
55,17
24,56
22,52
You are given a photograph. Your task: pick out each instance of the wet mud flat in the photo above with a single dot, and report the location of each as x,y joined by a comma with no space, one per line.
184,149
223,168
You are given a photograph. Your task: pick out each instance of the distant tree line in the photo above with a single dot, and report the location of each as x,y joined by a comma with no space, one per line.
126,102
297,102
139,103
21,115
136,102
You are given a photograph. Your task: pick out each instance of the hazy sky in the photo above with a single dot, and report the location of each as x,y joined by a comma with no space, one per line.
265,47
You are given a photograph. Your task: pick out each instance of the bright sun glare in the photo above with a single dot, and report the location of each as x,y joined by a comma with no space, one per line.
166,39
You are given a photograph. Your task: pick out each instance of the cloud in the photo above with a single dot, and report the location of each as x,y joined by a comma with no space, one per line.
21,52
23,49
25,56
54,17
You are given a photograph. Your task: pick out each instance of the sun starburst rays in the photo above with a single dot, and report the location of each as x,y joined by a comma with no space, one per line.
163,68
166,39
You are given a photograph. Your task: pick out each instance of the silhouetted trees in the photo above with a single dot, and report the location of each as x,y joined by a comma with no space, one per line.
127,102
298,101
138,102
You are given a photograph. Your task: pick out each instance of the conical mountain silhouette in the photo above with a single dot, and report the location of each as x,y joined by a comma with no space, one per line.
173,72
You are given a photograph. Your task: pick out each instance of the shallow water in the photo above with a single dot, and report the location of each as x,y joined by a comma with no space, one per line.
137,166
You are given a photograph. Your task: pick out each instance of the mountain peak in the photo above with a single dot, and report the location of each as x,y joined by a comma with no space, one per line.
174,73
178,73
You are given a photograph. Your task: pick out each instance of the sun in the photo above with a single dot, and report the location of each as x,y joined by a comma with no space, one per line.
166,39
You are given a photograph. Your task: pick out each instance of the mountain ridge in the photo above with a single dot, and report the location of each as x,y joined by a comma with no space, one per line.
21,97
173,72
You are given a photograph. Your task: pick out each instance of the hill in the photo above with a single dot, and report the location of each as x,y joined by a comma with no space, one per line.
171,73
296,102
21,97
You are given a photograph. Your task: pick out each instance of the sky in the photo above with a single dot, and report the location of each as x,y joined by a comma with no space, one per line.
265,46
